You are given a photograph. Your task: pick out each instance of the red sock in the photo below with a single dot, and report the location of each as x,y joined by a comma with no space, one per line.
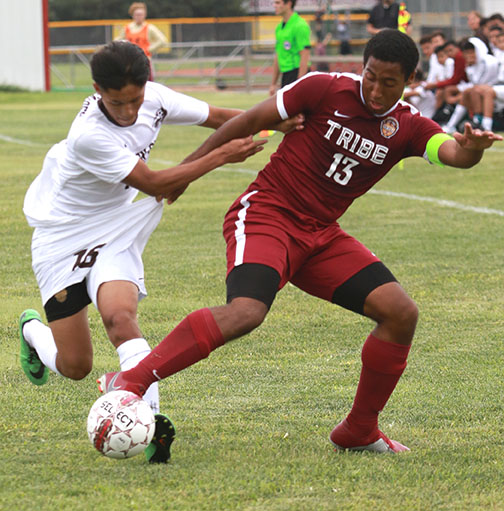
382,365
192,340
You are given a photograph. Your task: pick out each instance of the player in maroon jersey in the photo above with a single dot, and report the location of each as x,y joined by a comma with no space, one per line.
284,228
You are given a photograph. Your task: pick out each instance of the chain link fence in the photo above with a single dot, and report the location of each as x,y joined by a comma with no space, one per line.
232,52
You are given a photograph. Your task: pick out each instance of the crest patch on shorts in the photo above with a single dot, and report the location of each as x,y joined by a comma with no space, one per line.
389,127
61,296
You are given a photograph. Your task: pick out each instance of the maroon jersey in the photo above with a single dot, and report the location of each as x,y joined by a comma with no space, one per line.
342,151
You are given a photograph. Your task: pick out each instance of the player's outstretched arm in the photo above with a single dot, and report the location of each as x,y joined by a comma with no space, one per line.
167,183
261,116
217,116
467,148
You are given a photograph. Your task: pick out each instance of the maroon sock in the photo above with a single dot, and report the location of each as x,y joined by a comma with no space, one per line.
192,340
382,365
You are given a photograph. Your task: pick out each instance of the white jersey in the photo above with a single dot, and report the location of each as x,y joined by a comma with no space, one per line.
82,211
424,100
500,75
83,174
448,68
479,45
435,69
485,71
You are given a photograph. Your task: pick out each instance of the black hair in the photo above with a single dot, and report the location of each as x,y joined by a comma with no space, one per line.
496,16
438,33
466,45
120,63
440,48
390,45
425,39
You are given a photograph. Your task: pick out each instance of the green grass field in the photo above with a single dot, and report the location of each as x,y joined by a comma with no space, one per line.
253,419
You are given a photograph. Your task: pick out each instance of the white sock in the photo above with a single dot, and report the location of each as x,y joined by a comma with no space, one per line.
40,337
457,116
486,123
130,353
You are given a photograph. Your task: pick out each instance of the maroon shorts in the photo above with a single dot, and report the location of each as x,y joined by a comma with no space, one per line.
316,258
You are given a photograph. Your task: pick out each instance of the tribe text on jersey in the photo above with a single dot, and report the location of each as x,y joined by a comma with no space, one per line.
344,149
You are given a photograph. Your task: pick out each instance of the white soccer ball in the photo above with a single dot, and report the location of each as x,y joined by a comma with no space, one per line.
120,424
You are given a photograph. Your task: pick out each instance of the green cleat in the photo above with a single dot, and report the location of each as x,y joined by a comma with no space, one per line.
32,366
158,451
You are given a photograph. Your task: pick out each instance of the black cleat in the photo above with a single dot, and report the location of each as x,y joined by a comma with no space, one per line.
158,451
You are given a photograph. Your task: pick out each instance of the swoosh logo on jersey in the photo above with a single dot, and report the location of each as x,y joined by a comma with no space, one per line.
337,114
154,372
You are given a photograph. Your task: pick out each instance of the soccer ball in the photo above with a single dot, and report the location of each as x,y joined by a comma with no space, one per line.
120,424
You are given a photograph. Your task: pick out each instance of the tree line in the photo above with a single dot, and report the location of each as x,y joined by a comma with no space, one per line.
66,10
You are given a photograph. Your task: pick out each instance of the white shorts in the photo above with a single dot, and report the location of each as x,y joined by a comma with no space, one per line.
499,92
100,249
462,86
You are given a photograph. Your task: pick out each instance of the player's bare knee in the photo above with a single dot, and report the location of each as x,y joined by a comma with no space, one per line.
405,315
76,370
252,318
121,325
247,314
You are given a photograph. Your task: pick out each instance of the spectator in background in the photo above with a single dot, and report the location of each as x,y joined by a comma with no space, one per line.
497,19
449,86
480,69
385,14
486,101
474,20
445,72
322,40
436,69
404,19
494,33
292,48
446,63
343,33
143,34
427,50
422,99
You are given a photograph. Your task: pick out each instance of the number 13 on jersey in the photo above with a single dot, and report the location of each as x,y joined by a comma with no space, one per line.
342,174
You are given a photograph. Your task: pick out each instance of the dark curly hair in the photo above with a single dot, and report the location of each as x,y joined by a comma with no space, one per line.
120,63
392,45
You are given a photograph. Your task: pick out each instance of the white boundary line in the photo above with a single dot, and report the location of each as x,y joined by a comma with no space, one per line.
432,200
439,202
19,141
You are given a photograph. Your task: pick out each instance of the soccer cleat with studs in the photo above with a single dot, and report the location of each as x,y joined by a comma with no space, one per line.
158,451
31,364
344,440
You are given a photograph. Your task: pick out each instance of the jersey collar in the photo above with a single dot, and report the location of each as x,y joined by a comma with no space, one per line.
101,106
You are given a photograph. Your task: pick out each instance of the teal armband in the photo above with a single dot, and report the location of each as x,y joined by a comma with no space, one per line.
433,145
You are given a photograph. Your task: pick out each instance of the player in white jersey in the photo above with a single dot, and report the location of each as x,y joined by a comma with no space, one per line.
89,233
